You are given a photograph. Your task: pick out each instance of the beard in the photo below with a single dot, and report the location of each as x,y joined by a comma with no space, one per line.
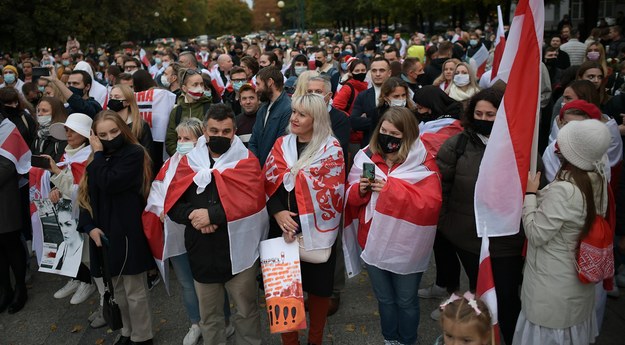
264,95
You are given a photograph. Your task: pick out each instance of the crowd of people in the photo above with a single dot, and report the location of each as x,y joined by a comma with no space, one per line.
363,146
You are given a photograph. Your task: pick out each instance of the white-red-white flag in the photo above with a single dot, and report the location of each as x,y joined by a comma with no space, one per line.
485,289
500,44
478,61
13,147
511,145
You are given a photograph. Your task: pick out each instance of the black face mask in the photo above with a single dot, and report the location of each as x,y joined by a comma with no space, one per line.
483,127
318,63
115,105
218,144
360,76
11,111
113,145
389,143
425,117
76,91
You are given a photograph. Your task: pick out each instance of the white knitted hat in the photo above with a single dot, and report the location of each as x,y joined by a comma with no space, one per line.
583,143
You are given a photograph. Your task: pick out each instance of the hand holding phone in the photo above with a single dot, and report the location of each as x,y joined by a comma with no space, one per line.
40,162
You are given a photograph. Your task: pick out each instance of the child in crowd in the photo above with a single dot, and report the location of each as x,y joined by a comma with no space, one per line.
465,320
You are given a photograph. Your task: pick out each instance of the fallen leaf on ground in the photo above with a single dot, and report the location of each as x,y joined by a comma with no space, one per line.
163,321
53,327
99,341
350,327
76,329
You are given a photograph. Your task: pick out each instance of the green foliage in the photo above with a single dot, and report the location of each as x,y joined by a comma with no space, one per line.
32,24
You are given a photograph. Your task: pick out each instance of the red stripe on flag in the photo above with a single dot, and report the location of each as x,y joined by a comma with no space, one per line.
522,75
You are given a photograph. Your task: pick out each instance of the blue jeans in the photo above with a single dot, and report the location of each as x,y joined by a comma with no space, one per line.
398,303
185,278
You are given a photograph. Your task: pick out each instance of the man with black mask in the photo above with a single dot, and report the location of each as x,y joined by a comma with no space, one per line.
77,93
201,195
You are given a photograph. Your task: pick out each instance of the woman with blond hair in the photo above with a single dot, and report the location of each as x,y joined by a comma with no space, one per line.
464,84
447,74
112,195
306,158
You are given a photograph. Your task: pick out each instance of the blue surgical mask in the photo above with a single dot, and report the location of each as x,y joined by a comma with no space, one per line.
344,66
473,42
41,88
184,148
9,78
157,61
300,69
65,63
237,85
207,93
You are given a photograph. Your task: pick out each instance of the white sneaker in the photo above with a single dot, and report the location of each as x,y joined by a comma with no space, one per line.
82,293
229,330
192,336
433,291
98,319
436,314
68,289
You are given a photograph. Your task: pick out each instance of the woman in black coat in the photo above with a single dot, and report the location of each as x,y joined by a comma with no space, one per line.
112,198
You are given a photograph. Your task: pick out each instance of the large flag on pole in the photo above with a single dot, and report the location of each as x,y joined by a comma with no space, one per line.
500,44
511,149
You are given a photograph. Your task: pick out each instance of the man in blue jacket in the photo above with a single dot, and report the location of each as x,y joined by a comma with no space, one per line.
273,115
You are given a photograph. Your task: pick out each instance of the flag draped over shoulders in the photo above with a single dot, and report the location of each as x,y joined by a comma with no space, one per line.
241,192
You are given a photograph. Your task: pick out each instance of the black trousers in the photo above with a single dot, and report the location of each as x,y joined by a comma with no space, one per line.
447,264
12,255
83,275
508,276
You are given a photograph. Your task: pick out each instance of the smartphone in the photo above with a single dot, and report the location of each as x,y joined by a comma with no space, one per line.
368,171
40,72
40,162
105,240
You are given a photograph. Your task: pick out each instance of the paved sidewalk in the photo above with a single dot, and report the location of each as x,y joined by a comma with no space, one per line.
49,321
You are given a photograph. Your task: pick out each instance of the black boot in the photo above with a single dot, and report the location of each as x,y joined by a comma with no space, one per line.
6,296
19,299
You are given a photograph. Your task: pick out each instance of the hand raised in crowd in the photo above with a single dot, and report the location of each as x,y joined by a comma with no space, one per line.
287,224
53,168
96,235
94,141
200,220
533,183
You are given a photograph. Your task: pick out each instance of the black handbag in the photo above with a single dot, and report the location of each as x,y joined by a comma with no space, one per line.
110,309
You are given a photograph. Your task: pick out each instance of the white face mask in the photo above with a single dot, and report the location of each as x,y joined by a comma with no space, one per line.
195,93
184,147
300,69
461,80
44,120
165,64
165,81
397,102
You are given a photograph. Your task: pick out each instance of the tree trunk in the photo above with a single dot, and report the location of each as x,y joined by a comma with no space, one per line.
507,5
591,15
482,13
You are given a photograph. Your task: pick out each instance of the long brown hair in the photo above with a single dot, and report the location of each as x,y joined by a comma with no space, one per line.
389,86
83,190
59,113
580,178
133,112
404,120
